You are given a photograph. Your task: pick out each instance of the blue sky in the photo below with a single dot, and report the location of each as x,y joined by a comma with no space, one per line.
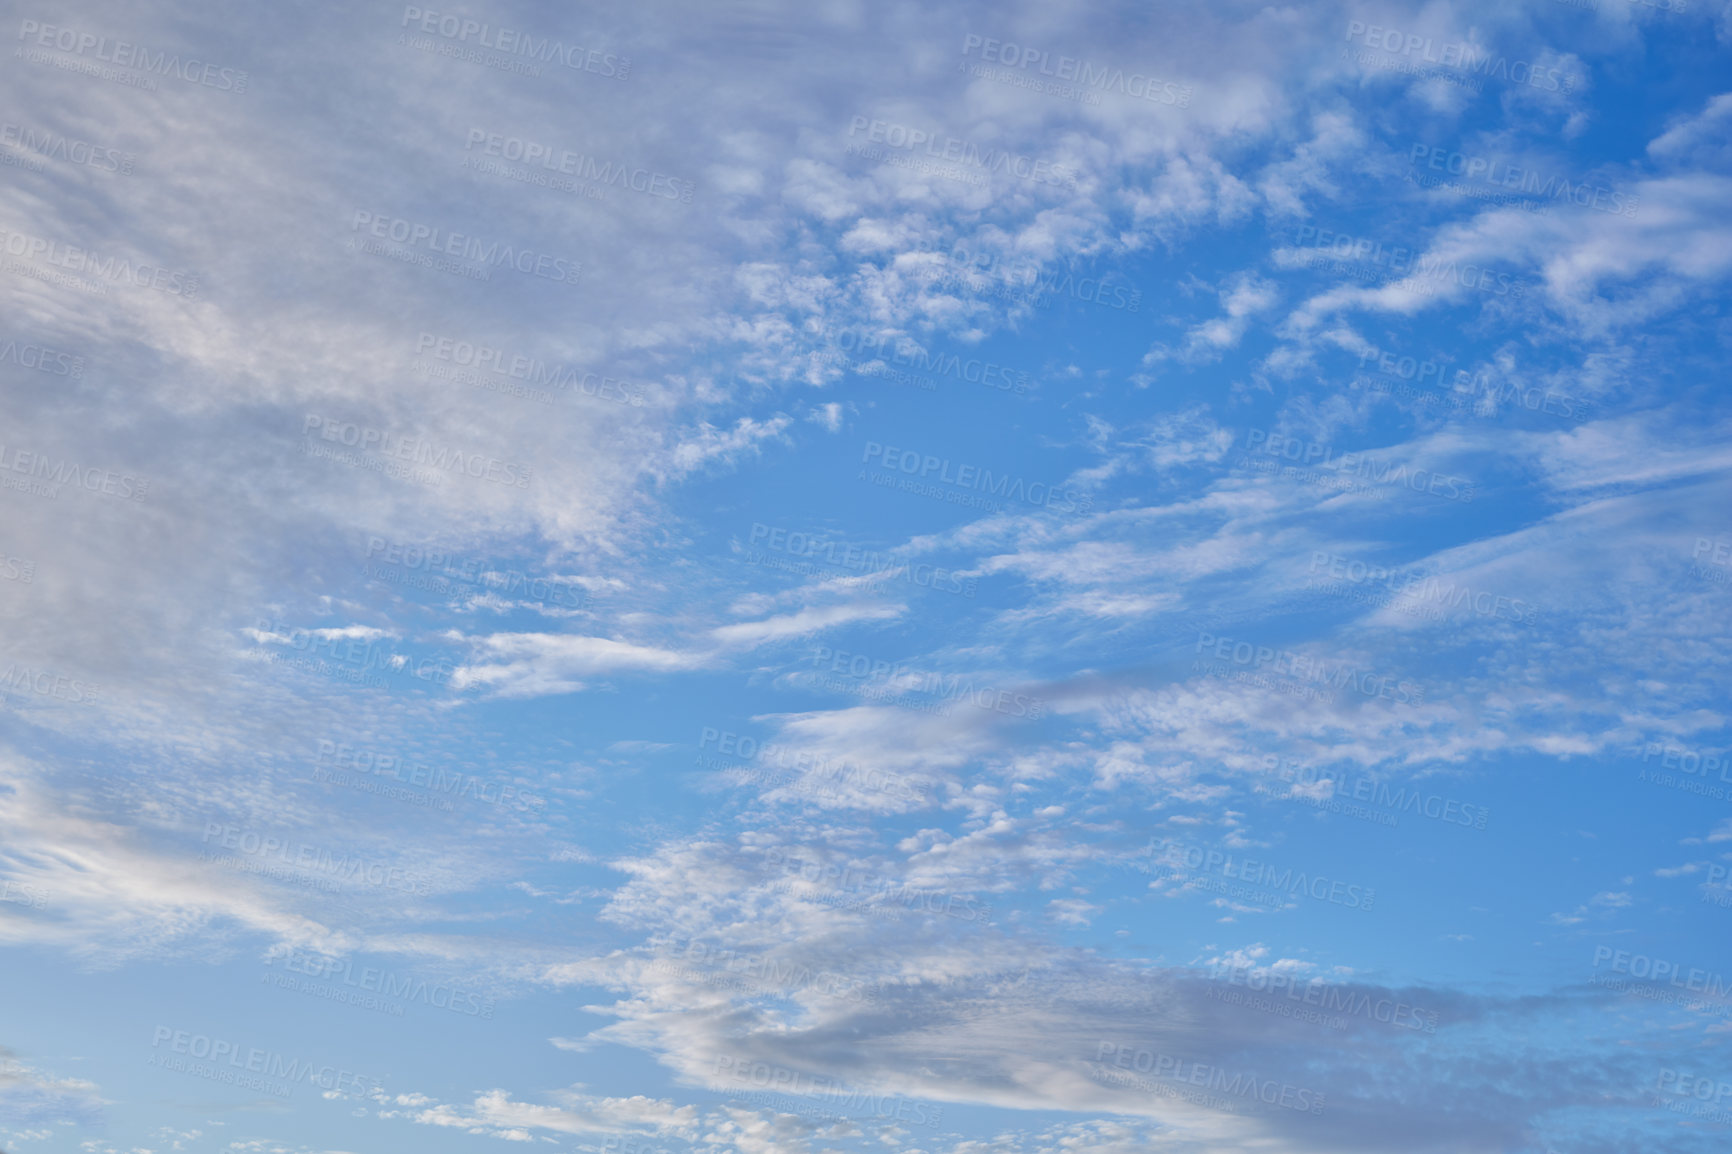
797,579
